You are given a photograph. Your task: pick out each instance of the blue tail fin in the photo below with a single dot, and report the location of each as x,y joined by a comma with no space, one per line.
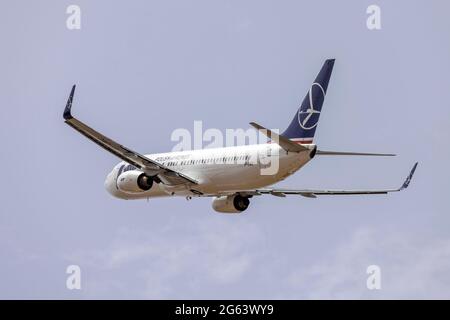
303,126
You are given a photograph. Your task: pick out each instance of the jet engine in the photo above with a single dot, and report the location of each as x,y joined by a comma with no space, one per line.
134,181
230,204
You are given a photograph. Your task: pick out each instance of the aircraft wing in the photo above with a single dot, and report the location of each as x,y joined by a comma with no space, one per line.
310,193
151,167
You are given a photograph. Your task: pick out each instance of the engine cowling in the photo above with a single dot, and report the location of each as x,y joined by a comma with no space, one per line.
134,182
230,204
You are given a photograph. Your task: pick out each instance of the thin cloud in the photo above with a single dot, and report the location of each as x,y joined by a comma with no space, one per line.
410,268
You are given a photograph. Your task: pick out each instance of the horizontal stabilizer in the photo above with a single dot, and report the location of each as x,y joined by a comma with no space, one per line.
338,153
283,142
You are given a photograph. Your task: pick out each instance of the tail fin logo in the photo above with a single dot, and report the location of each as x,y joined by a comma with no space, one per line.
306,118
304,123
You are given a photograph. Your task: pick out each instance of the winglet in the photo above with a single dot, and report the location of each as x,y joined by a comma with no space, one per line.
408,178
67,115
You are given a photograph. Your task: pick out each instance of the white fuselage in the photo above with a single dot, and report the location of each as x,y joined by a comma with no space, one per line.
220,170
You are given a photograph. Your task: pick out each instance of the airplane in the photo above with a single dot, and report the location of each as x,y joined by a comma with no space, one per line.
226,174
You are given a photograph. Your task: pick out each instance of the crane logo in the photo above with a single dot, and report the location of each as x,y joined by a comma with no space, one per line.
305,113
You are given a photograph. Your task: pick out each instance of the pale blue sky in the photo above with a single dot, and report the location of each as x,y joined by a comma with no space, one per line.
145,68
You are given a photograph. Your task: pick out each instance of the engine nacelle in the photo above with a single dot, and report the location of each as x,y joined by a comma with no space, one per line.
230,204
134,181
